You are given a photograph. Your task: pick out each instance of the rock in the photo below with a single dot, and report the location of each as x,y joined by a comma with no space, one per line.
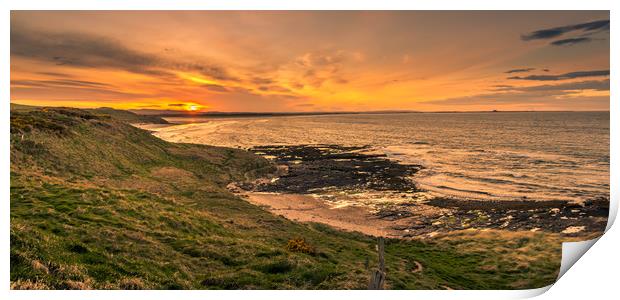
316,167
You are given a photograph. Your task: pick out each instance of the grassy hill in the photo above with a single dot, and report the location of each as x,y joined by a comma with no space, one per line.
97,203
127,116
21,107
121,115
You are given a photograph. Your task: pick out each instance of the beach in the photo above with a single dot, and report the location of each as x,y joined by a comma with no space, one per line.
304,208
385,191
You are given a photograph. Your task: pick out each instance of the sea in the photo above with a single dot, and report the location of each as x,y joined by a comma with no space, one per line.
485,155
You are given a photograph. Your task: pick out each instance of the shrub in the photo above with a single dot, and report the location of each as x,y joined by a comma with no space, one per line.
299,245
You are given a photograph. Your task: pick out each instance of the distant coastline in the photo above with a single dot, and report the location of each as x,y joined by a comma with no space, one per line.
181,114
242,114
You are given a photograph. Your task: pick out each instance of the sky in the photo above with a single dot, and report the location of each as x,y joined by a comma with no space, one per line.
304,61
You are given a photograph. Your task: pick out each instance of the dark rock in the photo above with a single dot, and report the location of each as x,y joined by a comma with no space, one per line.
331,167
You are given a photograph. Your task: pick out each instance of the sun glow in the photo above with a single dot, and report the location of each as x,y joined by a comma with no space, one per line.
196,79
192,107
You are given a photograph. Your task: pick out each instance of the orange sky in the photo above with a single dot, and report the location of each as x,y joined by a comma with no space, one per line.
312,61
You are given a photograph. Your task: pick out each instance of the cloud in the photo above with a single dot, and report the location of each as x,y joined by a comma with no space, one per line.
62,89
274,88
54,74
318,67
322,58
216,87
539,101
520,70
558,31
598,85
57,83
543,98
261,81
559,95
242,99
573,41
25,90
571,75
79,50
93,51
259,93
176,104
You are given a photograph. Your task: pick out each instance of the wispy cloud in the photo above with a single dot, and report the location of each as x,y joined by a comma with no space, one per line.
598,85
318,67
571,75
75,93
526,101
53,83
216,88
502,86
259,80
54,74
569,95
93,51
523,70
558,31
572,41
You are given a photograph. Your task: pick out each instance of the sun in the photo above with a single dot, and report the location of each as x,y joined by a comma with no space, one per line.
193,107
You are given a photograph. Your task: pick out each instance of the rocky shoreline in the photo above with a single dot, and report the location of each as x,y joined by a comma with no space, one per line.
316,168
335,172
550,216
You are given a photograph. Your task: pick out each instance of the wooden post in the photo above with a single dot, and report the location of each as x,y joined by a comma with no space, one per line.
377,276
382,255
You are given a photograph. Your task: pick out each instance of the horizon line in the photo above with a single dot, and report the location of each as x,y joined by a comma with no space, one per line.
386,111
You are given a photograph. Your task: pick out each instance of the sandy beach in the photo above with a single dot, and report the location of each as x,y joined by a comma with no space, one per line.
184,133
306,208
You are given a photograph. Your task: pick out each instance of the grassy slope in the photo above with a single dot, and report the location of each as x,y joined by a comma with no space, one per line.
22,107
127,116
97,203
121,115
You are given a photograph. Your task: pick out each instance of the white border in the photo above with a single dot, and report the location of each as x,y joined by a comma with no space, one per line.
570,283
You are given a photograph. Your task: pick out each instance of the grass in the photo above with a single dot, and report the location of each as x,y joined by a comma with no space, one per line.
127,116
99,204
121,115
